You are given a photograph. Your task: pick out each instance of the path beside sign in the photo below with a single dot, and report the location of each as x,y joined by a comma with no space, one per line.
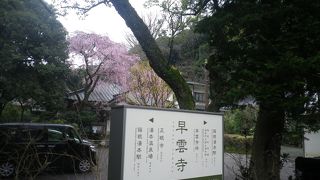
163,144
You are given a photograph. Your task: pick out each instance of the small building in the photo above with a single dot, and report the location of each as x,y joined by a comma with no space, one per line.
101,99
200,95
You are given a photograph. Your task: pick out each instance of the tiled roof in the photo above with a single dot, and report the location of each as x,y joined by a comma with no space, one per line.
103,92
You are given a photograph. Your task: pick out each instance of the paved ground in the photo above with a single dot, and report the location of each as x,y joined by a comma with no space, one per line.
230,167
232,162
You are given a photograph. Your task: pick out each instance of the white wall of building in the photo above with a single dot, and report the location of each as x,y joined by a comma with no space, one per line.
312,144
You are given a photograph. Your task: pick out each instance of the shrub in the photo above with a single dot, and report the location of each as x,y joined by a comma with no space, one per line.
293,134
234,143
11,113
238,120
292,139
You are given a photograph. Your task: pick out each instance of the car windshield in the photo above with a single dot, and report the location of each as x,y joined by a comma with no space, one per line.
71,134
55,135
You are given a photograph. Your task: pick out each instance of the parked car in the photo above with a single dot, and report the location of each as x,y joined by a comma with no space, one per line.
32,147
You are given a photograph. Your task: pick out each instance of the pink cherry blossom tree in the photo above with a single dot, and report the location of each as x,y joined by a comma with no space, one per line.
102,60
147,88
157,60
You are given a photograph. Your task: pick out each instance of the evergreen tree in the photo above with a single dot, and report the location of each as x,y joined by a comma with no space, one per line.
33,51
268,50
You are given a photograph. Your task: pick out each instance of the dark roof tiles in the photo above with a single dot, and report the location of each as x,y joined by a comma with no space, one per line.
103,92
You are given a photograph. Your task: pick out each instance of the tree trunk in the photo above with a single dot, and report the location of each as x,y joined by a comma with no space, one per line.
2,106
22,114
156,59
265,159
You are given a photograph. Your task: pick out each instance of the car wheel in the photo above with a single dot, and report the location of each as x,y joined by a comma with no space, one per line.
84,166
6,169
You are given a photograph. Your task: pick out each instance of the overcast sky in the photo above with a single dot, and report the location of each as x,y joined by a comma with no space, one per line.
102,20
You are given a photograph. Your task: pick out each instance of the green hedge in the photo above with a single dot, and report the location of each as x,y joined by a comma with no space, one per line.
234,143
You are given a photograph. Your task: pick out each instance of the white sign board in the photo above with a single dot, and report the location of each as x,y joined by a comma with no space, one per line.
165,144
312,144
